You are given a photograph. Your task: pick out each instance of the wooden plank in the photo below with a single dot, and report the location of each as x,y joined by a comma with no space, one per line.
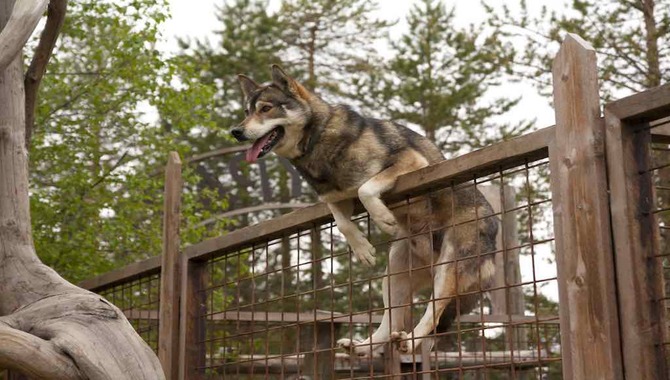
126,274
321,316
636,240
644,106
168,323
192,324
488,160
590,342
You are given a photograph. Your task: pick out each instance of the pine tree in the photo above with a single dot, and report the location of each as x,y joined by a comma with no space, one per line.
440,75
631,37
329,42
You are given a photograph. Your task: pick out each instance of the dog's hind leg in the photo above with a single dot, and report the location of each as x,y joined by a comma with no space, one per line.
444,289
370,192
342,212
397,294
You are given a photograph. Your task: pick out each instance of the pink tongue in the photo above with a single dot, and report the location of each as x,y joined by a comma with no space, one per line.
255,150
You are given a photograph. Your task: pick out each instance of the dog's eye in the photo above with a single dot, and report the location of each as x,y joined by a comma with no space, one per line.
266,109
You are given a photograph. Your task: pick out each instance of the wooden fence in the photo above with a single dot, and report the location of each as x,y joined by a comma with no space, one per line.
227,307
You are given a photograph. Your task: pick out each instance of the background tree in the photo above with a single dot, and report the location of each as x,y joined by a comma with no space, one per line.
49,327
330,43
440,78
632,38
97,139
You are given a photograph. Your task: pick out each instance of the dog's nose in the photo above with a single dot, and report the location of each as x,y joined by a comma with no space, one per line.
238,134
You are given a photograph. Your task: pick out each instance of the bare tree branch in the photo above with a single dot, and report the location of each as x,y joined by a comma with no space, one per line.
33,356
38,66
22,21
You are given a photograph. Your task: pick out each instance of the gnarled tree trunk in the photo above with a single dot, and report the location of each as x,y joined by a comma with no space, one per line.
49,328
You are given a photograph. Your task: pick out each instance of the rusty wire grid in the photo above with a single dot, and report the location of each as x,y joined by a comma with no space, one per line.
276,309
139,300
660,169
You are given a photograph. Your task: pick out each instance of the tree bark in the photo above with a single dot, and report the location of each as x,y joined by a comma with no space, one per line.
653,64
49,328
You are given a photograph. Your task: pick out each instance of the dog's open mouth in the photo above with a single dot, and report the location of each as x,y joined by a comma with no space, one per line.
264,145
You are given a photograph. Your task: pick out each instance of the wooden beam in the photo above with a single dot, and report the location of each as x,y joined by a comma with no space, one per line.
590,342
636,242
488,160
644,106
168,323
193,306
126,274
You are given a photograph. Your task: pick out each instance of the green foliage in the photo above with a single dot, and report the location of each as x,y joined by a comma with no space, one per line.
632,39
97,149
440,75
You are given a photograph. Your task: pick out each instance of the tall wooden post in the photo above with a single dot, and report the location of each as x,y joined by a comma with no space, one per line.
168,322
590,342
636,239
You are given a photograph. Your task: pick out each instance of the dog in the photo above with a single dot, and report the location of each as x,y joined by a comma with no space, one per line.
446,239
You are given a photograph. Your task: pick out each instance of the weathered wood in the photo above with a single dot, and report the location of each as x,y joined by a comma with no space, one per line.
644,106
168,324
487,160
18,28
126,274
192,323
590,343
636,241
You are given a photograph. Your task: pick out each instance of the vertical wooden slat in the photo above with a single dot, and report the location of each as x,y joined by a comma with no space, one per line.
168,322
192,322
590,342
636,240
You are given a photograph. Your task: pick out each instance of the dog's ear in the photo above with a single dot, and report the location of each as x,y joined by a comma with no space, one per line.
247,84
286,83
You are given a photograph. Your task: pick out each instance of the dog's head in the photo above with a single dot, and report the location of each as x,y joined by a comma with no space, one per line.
276,115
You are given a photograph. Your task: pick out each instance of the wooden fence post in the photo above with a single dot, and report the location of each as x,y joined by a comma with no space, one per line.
636,240
168,320
192,321
590,342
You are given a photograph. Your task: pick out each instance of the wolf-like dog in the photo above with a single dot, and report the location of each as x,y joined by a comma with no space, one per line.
445,240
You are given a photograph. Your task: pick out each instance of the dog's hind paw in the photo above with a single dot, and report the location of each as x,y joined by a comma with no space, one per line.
348,345
402,341
365,252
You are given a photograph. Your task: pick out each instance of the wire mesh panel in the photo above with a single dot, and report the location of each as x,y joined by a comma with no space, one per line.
660,169
139,301
470,292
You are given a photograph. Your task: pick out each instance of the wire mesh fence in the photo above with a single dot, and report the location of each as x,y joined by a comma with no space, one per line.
139,300
660,171
281,308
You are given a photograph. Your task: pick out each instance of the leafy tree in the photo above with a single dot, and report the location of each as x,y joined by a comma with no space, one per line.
95,204
440,77
632,38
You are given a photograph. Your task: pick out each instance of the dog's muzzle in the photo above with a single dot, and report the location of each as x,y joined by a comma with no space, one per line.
238,134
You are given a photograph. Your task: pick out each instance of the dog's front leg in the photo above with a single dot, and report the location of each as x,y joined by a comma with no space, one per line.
342,212
370,192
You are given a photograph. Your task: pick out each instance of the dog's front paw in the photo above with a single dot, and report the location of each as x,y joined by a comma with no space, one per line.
402,341
365,252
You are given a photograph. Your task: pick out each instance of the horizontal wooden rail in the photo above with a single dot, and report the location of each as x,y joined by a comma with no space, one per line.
644,106
321,316
491,159
126,274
